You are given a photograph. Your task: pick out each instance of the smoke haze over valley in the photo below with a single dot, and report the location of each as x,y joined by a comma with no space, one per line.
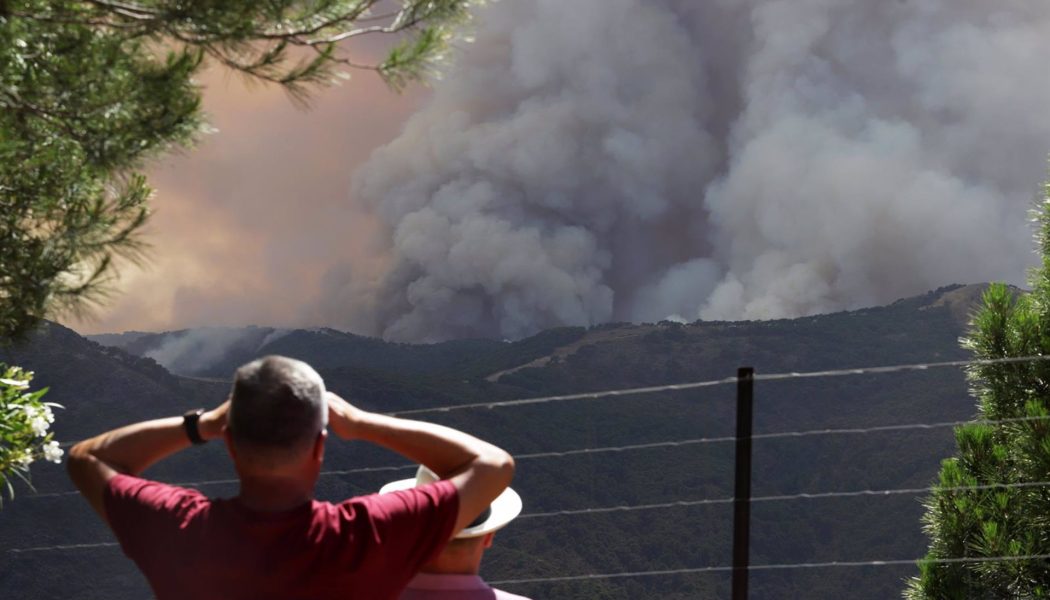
637,160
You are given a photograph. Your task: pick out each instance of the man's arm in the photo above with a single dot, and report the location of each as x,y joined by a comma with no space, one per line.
131,449
479,470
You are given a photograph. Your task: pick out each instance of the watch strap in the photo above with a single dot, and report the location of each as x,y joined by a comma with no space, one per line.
190,420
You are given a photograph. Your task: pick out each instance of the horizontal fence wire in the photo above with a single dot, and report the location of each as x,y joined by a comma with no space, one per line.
645,446
677,387
684,504
770,567
783,435
684,571
207,482
59,547
785,497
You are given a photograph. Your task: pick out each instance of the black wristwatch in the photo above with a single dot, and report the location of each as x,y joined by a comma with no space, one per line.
189,422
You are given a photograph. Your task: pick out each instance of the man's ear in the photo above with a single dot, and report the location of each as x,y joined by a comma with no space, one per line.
488,539
230,447
318,452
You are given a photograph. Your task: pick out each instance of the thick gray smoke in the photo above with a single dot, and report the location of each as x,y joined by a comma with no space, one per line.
600,160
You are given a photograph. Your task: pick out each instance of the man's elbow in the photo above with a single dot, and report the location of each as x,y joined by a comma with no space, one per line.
508,466
82,464
77,459
499,465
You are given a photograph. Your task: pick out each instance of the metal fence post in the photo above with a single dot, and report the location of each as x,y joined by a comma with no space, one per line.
742,492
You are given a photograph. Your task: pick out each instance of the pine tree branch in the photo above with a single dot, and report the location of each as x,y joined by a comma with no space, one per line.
131,11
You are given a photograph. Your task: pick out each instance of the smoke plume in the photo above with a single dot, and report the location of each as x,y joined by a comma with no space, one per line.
601,160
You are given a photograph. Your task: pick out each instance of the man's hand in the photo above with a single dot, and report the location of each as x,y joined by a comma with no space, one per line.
344,418
479,470
212,424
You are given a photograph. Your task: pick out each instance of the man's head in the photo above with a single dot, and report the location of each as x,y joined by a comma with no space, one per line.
461,556
278,413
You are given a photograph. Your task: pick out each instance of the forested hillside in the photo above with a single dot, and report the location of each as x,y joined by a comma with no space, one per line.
107,386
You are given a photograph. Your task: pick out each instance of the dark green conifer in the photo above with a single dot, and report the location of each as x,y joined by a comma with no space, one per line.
999,521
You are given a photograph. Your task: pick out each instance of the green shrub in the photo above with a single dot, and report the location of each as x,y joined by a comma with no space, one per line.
25,420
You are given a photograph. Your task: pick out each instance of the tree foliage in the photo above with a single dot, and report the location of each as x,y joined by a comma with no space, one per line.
999,522
90,89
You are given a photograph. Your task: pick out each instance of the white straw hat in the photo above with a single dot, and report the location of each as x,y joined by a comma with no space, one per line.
502,510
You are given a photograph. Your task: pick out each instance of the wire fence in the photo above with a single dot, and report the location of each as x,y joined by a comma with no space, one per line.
646,446
686,504
772,567
678,387
785,497
613,393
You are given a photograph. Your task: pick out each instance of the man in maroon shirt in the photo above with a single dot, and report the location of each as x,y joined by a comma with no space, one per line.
273,540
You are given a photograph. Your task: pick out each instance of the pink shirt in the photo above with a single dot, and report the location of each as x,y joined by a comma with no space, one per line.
429,586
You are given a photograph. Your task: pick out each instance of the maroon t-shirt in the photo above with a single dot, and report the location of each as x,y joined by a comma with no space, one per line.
190,546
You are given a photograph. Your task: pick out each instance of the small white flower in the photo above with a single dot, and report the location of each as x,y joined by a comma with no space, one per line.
25,460
48,415
39,425
52,452
31,411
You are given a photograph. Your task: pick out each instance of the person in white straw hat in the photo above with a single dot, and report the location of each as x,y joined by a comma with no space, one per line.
453,574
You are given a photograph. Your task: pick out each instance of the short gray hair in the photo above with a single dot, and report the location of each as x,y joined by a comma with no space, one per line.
277,406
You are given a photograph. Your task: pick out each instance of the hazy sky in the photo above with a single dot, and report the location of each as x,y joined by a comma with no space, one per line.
245,223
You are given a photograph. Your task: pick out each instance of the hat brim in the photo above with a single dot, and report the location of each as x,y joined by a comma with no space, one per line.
504,509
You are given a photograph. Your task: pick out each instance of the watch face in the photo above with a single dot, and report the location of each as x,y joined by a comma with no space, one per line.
189,423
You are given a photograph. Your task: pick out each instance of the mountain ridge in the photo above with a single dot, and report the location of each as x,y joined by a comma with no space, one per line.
250,341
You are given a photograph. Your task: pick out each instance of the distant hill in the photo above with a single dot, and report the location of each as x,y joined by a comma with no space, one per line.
217,352
104,386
